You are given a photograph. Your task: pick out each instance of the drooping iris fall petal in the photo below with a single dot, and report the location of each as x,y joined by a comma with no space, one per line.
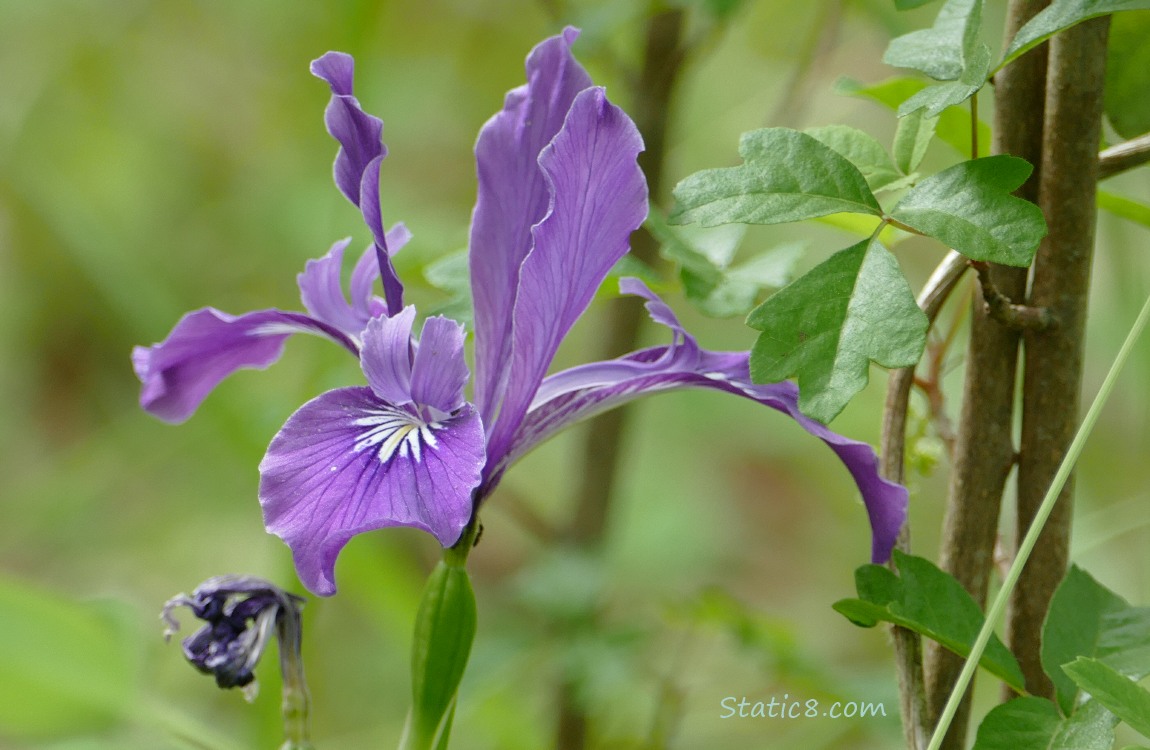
208,345
581,392
360,459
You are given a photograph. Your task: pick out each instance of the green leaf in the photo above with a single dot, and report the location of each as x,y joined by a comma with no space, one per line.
1128,700
934,99
953,127
451,275
1127,106
930,602
65,667
827,326
444,630
717,287
1124,207
1031,723
910,4
1062,14
786,176
1088,620
863,151
942,51
969,207
911,139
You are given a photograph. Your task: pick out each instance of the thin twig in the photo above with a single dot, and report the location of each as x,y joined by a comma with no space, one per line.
1004,310
1124,156
907,644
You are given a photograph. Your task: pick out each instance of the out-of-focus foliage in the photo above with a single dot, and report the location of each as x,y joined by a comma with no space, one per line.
157,156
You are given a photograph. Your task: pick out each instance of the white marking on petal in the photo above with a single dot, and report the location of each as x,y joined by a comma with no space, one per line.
394,431
278,329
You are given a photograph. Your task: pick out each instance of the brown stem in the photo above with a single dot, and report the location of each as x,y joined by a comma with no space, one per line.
1123,156
1004,310
984,450
662,61
1053,361
907,644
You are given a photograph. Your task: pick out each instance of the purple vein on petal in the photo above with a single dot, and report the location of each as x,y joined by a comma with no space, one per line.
513,195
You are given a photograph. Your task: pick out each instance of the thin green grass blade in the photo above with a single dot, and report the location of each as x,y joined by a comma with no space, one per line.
998,606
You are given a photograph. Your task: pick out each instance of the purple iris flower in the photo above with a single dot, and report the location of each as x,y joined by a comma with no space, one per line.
559,195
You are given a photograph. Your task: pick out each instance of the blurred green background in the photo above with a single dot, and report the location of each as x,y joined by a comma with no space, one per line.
158,156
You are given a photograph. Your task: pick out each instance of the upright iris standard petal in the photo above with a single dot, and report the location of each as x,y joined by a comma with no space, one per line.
599,198
321,290
386,356
439,372
208,345
513,196
372,216
348,462
360,135
582,392
361,151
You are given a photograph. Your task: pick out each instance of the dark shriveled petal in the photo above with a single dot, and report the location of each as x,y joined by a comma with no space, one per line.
599,199
582,392
347,462
513,196
208,345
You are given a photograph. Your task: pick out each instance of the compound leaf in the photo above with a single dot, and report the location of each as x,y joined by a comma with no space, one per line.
826,327
786,176
969,207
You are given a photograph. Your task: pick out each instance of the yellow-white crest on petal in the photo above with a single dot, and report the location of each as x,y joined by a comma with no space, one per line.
394,431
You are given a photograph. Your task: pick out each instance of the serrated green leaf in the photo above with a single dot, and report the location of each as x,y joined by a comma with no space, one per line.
912,136
863,151
1088,620
786,176
1031,723
942,51
1128,58
969,207
1062,14
65,667
444,631
938,97
953,126
826,327
932,603
1125,698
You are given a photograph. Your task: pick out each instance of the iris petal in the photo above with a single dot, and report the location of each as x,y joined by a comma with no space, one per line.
386,356
359,134
581,392
348,462
208,345
439,371
513,196
599,198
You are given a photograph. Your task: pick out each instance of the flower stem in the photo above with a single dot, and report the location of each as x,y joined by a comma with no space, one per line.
1026,546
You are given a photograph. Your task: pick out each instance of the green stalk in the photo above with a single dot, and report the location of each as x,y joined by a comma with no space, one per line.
998,606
